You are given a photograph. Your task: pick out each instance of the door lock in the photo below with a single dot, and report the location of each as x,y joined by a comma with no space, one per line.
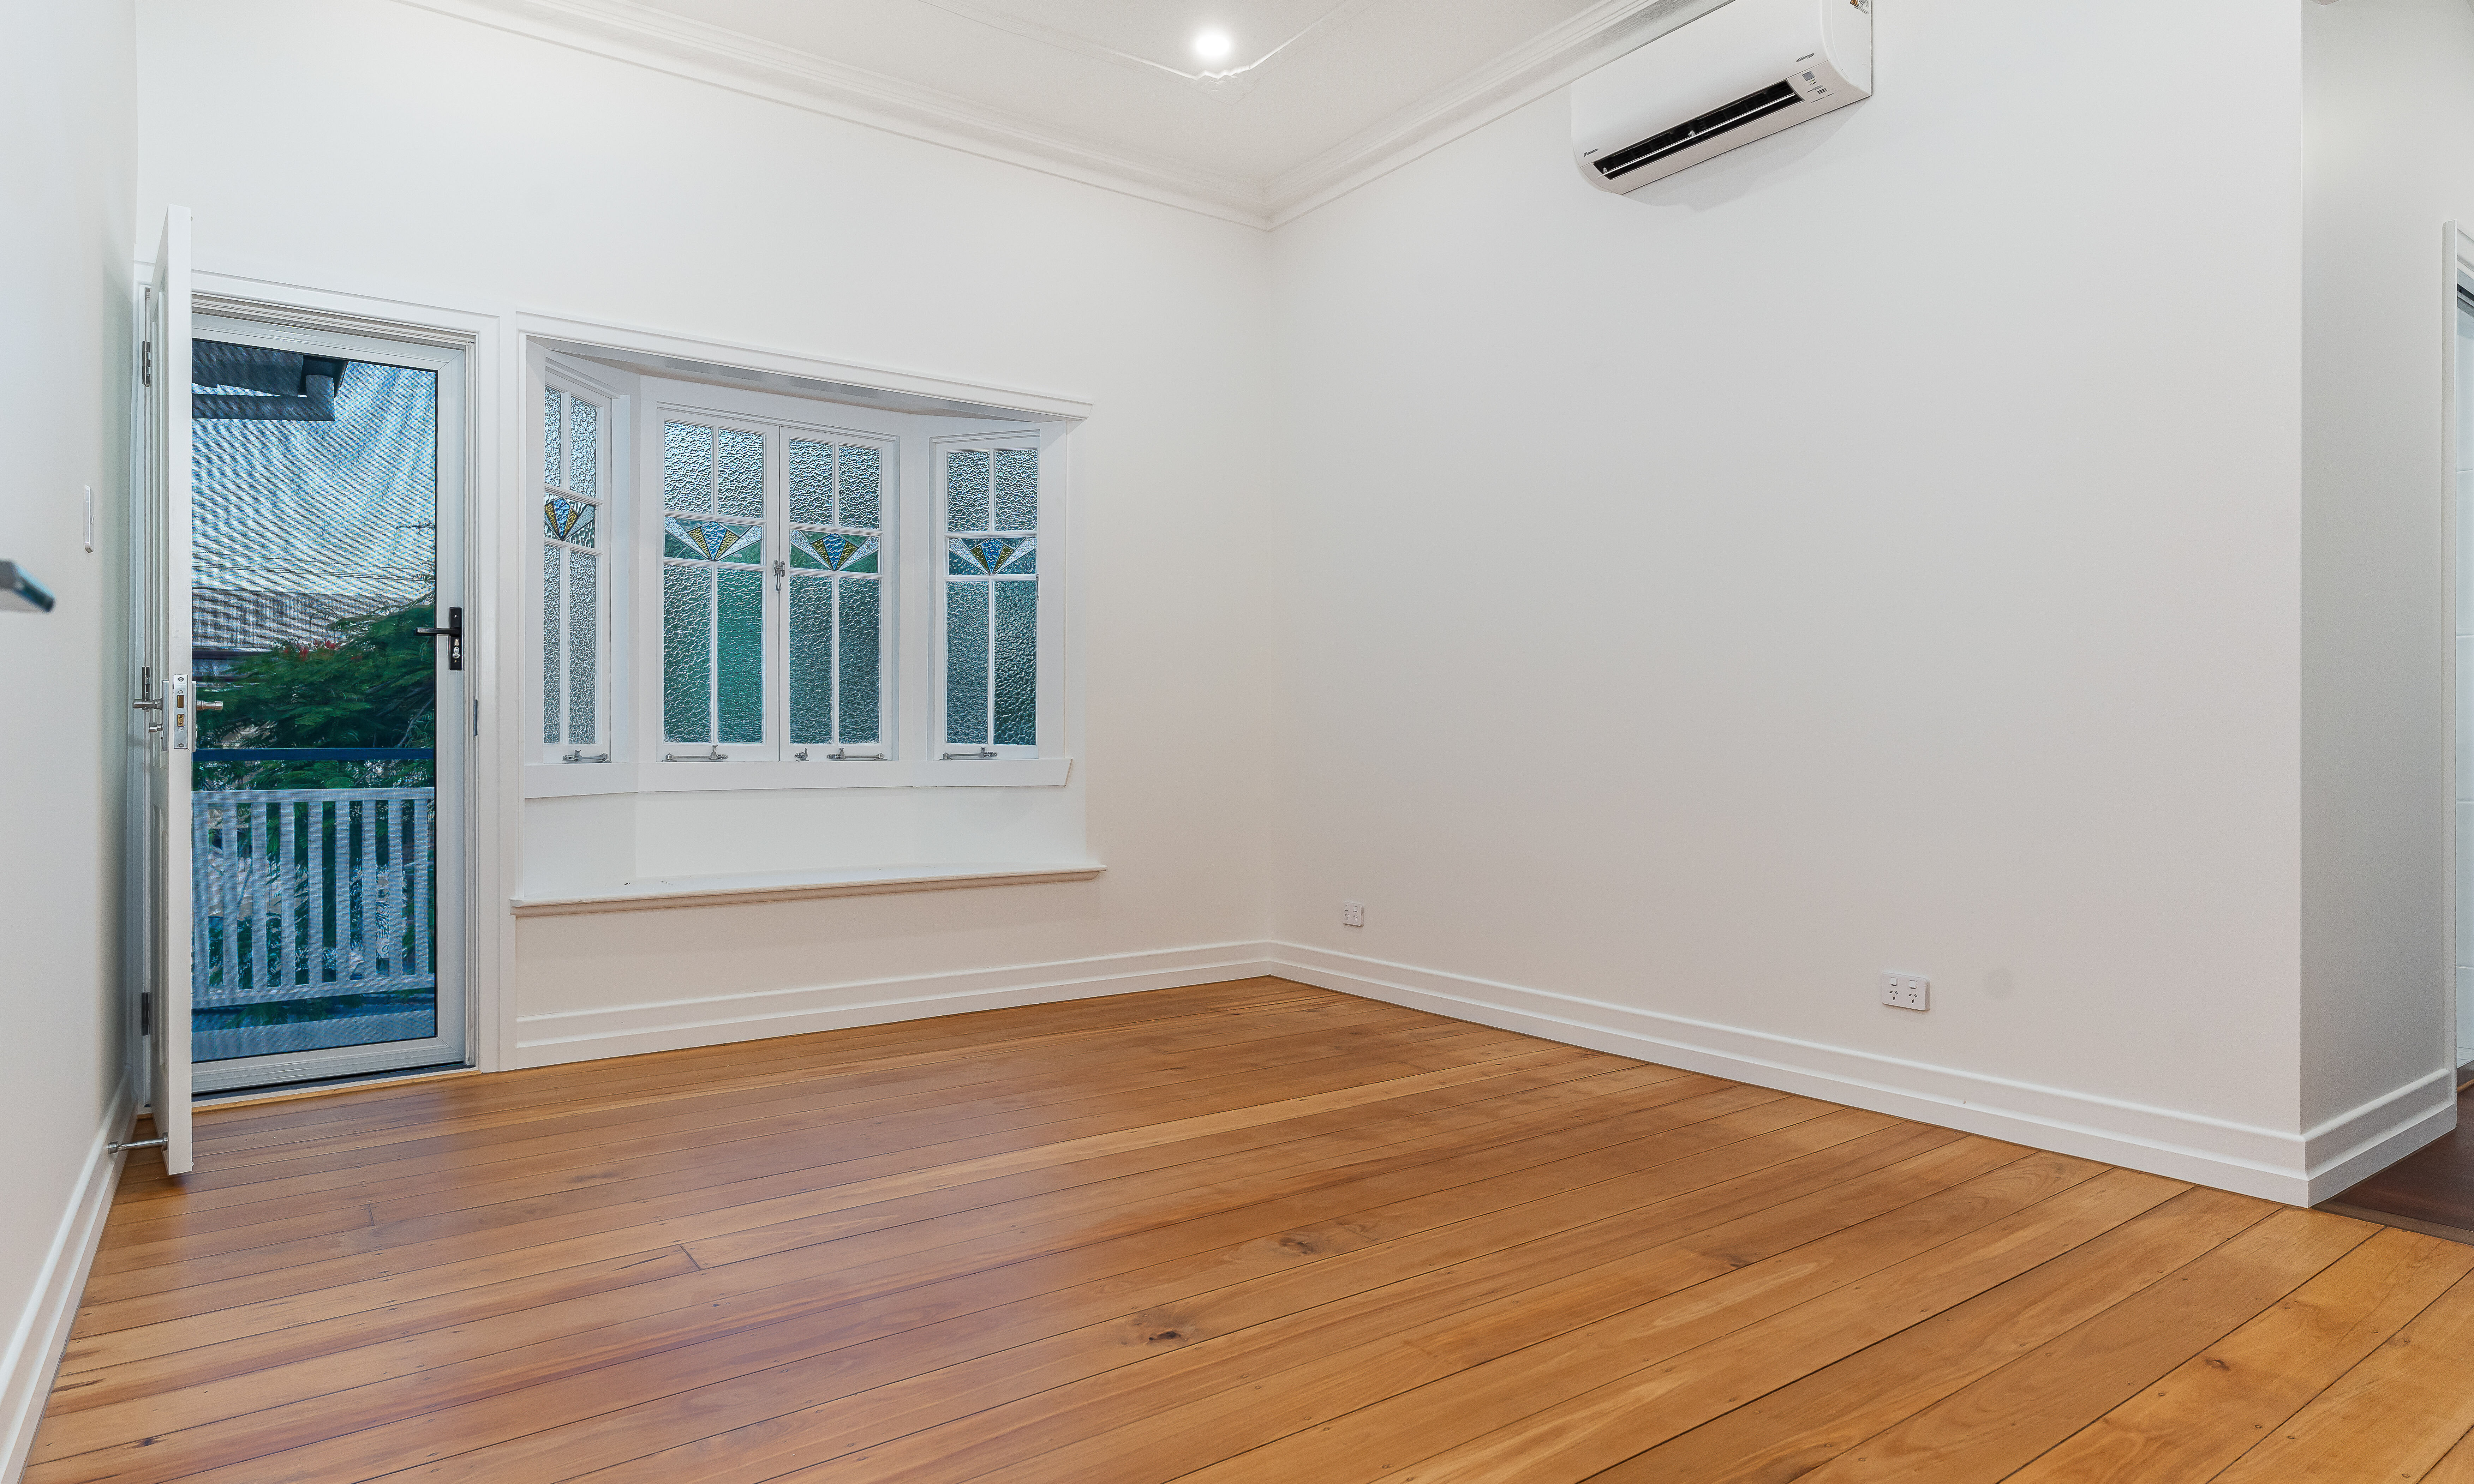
452,634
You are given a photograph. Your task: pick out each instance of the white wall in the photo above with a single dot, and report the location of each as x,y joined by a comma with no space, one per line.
456,165
66,176
1875,549
1881,547
2388,156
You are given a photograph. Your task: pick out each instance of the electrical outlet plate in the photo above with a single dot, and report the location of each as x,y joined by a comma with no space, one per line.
1906,992
1352,914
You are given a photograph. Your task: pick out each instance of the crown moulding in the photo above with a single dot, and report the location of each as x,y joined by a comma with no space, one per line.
722,58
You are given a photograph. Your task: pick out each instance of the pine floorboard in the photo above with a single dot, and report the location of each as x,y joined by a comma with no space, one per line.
1239,1233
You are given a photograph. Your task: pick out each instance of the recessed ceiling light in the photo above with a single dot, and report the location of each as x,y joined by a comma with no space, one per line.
1213,45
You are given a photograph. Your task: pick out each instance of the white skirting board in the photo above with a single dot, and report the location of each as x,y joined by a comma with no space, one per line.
43,1330
666,1025
2280,1165
2300,1169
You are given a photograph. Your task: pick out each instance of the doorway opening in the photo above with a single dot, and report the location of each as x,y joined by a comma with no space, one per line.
324,833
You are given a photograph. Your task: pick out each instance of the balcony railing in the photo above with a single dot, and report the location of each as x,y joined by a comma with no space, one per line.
299,894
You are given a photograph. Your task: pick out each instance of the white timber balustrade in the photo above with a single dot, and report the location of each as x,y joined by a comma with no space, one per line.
311,892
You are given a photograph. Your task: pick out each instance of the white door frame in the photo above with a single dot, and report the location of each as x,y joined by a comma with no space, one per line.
451,1046
2458,276
492,791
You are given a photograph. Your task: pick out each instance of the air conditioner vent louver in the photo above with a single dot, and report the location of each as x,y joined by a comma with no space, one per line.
1739,71
1717,121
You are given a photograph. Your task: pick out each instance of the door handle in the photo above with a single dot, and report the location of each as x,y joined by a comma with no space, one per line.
452,634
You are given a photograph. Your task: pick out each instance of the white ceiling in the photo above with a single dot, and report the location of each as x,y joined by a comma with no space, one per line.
1315,97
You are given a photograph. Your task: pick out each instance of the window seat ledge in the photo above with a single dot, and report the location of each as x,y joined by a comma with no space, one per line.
763,886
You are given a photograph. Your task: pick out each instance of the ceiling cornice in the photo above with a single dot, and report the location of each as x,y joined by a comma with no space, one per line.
1522,77
662,42
802,79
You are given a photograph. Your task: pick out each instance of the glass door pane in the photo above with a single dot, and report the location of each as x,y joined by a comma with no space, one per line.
315,821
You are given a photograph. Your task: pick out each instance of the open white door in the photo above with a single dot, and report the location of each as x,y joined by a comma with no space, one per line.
166,691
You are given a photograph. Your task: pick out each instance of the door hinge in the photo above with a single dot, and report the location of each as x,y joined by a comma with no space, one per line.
146,1012
146,366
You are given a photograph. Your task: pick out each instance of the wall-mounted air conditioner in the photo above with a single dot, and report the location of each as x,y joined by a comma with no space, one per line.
1747,69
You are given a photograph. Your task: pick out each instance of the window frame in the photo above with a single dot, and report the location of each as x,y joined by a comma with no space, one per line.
617,545
824,396
615,472
779,420
940,746
655,488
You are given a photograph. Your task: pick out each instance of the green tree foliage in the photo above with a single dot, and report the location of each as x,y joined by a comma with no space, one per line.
373,684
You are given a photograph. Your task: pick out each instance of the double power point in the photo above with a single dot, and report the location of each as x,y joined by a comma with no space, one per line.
1352,914
1906,992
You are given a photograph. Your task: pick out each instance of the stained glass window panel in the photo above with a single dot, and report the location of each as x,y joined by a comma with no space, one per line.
863,486
978,556
831,551
713,540
553,559
742,471
1016,663
570,521
583,649
584,447
551,419
739,661
860,658
686,467
966,662
811,481
687,653
966,490
1017,489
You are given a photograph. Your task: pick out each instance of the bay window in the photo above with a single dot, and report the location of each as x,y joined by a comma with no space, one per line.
751,589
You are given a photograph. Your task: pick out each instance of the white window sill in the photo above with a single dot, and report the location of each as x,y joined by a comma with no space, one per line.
568,780
762,886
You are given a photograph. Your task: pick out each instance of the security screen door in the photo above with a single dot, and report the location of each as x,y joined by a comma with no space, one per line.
324,827
163,699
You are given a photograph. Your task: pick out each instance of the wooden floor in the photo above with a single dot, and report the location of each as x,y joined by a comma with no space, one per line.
2432,1188
1247,1231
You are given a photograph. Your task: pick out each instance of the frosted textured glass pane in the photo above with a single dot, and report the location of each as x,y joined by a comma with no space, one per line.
738,664
859,660
686,467
739,661
811,483
742,471
1017,489
687,653
863,486
584,447
811,660
967,661
1017,667
551,558
966,490
551,420
583,656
